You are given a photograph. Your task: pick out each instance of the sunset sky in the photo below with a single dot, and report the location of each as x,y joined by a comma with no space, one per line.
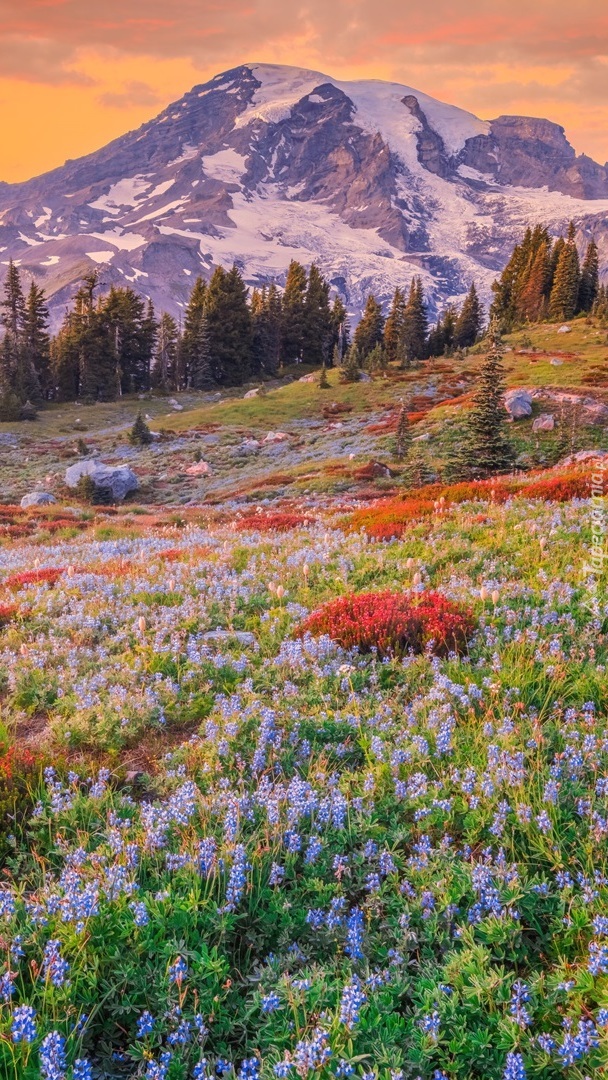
76,73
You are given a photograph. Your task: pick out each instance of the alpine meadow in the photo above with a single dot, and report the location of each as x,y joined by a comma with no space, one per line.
303,545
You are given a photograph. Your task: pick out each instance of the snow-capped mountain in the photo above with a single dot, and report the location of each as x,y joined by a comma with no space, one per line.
263,164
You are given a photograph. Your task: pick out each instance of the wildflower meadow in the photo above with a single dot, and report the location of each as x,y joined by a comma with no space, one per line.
283,799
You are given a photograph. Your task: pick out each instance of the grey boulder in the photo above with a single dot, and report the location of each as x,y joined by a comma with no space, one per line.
544,422
119,480
518,404
37,498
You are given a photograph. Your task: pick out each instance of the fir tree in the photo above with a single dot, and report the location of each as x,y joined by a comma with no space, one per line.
200,375
340,331
324,381
98,369
403,436
370,330
294,319
469,322
36,338
590,278
487,448
415,324
13,305
317,319
229,322
532,301
394,328
350,369
564,293
164,364
140,434
189,342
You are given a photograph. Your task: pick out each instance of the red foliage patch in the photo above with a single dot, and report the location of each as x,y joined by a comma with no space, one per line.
393,623
276,522
7,613
50,575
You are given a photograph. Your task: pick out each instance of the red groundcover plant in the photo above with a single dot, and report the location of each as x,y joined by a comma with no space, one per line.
50,576
393,623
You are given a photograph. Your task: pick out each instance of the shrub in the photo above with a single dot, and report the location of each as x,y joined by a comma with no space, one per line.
392,623
50,575
7,613
277,522
90,493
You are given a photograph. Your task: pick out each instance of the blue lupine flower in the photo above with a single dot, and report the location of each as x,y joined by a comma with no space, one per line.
23,1028
53,1062
145,1024
514,1067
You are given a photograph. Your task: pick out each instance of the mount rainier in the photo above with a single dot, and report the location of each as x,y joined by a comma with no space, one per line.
263,164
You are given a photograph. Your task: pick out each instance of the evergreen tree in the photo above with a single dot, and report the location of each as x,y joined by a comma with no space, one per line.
486,448
140,434
403,436
317,319
590,278
394,328
36,338
194,315
229,322
265,331
65,361
340,331
350,369
376,361
164,364
600,308
415,324
129,330
469,322
324,381
370,330
200,364
13,305
294,318
440,341
97,359
564,293
532,301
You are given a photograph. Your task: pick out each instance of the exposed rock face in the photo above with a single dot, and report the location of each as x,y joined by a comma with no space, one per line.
37,498
375,181
518,403
119,480
527,152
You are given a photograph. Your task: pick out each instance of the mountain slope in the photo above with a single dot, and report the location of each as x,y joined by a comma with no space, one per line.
373,180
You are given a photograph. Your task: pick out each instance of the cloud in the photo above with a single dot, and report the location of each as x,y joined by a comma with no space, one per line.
491,56
133,93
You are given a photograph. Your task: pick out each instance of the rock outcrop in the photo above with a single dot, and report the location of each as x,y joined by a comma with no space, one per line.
118,480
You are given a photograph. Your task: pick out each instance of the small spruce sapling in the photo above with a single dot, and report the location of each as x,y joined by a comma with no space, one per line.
140,434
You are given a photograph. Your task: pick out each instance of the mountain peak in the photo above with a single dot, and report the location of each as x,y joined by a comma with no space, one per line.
375,181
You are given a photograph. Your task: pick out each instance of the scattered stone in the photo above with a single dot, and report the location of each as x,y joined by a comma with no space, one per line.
544,422
119,480
556,362
251,393
37,498
422,438
583,455
249,446
200,468
518,403
275,437
564,329
312,378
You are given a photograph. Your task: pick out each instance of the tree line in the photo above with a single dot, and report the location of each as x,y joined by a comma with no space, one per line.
545,279
114,343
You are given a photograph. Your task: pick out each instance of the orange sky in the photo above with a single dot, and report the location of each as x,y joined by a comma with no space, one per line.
77,73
